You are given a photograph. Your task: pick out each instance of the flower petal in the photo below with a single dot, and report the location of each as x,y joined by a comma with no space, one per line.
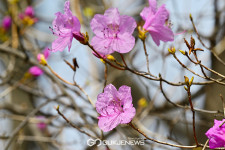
111,89
60,43
124,43
124,94
162,33
127,24
127,115
46,53
153,5
102,45
145,13
98,25
161,16
112,16
104,99
107,123
149,12
71,21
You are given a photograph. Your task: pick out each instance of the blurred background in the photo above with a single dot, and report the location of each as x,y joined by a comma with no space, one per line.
28,118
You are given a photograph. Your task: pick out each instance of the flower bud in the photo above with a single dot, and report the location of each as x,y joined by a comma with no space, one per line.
185,88
41,59
142,102
192,42
81,37
110,57
102,60
182,52
190,16
191,81
186,79
6,22
172,50
88,12
29,11
141,33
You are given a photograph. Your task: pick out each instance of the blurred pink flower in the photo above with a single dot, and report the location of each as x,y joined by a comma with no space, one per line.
28,17
115,107
113,32
45,53
155,22
35,71
29,11
41,125
216,135
6,22
66,26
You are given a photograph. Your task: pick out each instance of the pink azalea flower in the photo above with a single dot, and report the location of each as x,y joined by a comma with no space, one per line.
35,71
216,135
155,22
66,26
113,32
6,22
115,107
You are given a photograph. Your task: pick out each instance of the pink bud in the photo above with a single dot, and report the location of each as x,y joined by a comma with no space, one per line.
78,36
6,22
35,71
29,11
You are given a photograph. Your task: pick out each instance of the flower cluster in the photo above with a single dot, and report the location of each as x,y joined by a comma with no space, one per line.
113,33
27,18
216,134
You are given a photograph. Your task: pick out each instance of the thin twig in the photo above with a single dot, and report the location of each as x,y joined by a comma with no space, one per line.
146,56
193,113
160,142
58,76
199,38
185,107
104,58
123,60
205,145
221,96
74,84
73,125
105,75
22,124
